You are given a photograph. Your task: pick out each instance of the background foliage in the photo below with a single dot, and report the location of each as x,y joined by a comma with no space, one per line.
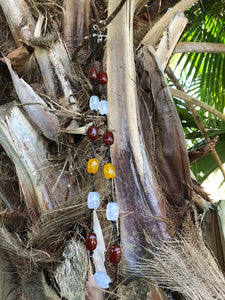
203,76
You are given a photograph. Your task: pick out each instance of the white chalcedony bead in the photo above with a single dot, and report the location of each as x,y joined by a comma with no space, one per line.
93,200
112,211
102,279
103,107
94,102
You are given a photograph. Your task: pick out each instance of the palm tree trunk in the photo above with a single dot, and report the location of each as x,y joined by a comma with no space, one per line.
153,184
137,188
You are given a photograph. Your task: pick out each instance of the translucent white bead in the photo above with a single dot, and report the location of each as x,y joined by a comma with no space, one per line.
93,200
102,279
94,102
103,107
112,211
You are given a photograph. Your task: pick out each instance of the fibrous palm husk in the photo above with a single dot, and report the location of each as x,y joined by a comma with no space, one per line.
185,266
144,207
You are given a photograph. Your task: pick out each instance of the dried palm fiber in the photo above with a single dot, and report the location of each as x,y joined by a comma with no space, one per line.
45,243
53,11
80,160
8,46
41,116
9,192
141,27
185,266
8,281
54,225
7,43
83,182
54,63
36,241
53,239
52,4
21,257
29,256
27,85
46,237
141,290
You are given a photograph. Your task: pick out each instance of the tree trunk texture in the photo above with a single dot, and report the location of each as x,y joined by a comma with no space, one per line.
76,23
43,185
53,62
142,128
170,38
21,22
213,231
42,228
153,35
8,286
138,193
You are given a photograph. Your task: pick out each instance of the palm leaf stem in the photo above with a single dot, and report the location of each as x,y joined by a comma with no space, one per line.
194,101
157,30
196,117
198,47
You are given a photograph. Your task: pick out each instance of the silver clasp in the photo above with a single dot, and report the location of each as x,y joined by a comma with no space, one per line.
99,35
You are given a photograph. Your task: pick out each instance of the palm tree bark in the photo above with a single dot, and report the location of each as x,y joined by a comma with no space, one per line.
76,22
133,153
164,121
157,30
19,18
149,153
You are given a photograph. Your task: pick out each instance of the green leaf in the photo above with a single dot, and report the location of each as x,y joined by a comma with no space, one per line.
203,76
203,167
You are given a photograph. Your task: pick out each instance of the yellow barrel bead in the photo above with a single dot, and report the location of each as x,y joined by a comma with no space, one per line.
92,166
109,171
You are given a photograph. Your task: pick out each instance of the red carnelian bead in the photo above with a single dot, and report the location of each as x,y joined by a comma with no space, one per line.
115,254
91,241
102,78
108,138
93,74
92,132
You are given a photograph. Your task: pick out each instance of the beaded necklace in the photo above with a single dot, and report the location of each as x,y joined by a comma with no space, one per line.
112,211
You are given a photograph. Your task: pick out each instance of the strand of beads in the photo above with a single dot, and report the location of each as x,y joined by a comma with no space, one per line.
101,278
93,200
112,211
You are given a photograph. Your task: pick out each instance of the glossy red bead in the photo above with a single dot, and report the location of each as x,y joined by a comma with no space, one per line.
91,241
102,78
108,138
115,254
92,132
93,74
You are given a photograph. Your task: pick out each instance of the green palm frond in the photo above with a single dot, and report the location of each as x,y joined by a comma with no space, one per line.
203,74
184,114
204,166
